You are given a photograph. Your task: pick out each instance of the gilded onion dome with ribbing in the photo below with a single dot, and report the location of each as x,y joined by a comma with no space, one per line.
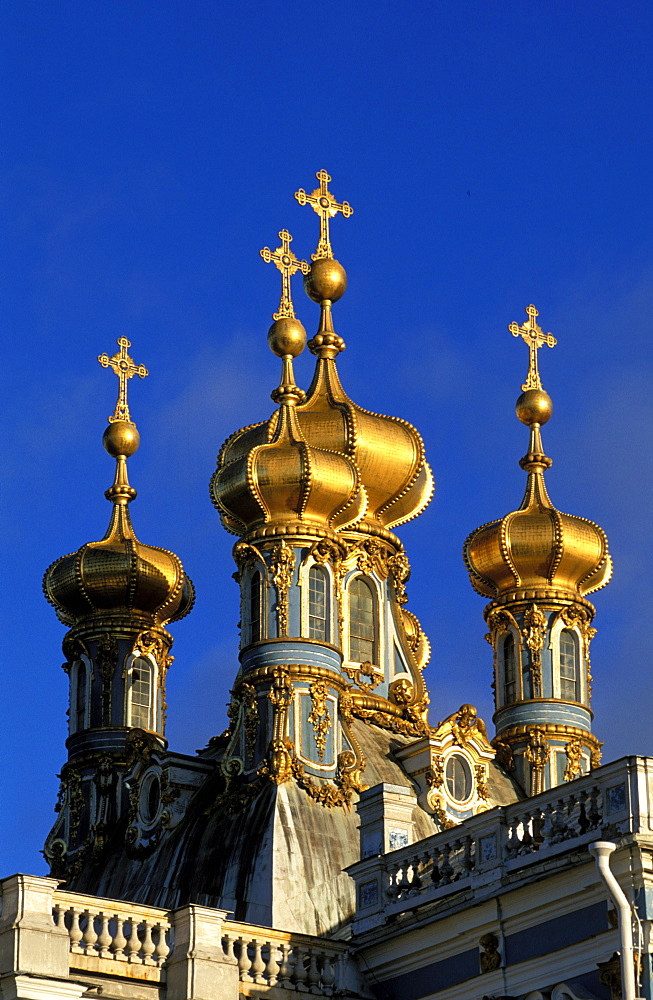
537,551
270,477
119,573
393,482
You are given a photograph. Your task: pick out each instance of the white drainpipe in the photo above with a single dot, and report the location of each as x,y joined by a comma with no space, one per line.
601,850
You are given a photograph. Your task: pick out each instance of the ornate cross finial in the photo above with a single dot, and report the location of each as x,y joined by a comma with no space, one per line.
325,205
124,368
287,263
535,338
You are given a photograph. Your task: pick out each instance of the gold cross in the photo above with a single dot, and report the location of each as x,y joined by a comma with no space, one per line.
325,205
535,338
287,263
124,368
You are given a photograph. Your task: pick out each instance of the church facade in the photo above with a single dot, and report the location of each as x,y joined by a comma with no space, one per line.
332,840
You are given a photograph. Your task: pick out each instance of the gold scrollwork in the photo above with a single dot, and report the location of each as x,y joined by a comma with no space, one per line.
106,659
245,555
319,716
400,570
480,772
281,569
249,701
534,633
574,754
281,749
537,754
359,671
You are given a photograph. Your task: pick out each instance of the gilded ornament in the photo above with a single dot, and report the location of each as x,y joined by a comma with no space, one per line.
327,794
280,761
574,753
249,702
125,369
480,772
319,716
465,723
400,569
401,691
349,774
537,754
435,774
504,754
282,565
440,813
324,204
357,672
245,555
280,750
535,337
286,262
534,634
595,756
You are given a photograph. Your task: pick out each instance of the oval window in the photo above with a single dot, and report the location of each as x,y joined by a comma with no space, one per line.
458,777
150,798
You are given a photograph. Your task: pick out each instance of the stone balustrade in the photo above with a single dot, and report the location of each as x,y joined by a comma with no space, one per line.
103,932
118,932
607,803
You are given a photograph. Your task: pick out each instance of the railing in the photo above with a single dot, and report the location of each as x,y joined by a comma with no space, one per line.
503,840
119,932
292,962
142,936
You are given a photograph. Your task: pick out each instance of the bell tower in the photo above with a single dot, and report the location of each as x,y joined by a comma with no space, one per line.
538,565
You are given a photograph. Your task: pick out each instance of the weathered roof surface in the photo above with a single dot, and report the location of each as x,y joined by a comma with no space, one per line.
275,859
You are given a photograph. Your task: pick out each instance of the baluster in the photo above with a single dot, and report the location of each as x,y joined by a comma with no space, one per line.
559,826
513,842
90,936
404,882
537,822
416,881
162,949
573,816
393,887
285,969
595,813
546,830
526,845
328,973
119,940
148,944
299,972
436,875
228,948
313,975
59,916
104,940
583,820
272,968
468,862
244,964
258,965
446,871
75,933
134,942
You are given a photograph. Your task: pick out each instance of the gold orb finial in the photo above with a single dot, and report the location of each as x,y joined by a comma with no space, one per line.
534,406
287,337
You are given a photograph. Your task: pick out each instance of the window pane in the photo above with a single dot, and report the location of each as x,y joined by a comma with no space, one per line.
458,776
569,678
317,603
362,625
141,693
509,670
80,697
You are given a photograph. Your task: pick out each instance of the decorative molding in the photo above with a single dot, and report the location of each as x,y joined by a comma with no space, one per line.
356,673
537,754
319,716
534,633
281,569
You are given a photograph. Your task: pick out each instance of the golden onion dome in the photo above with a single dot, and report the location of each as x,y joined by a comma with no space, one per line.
269,476
537,551
387,451
119,573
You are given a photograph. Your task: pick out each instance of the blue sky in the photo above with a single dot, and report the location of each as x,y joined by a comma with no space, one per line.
495,155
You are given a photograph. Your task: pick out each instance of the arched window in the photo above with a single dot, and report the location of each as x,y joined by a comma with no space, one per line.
80,696
569,672
317,603
140,694
255,607
509,670
362,622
